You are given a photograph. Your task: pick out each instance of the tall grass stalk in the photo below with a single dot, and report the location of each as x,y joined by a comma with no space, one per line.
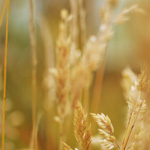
82,22
96,97
86,98
34,69
131,124
5,71
3,12
74,30
49,62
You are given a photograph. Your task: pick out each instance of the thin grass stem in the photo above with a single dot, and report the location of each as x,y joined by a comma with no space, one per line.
4,86
3,12
34,69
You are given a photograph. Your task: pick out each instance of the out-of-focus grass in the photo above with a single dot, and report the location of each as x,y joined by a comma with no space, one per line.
130,43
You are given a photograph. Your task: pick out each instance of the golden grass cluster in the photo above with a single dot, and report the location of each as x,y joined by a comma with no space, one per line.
71,79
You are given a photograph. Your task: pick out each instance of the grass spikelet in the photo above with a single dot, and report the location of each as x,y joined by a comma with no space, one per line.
4,84
106,131
81,129
104,122
129,78
144,79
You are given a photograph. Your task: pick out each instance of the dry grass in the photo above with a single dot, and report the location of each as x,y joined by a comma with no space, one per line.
81,130
69,77
136,106
34,70
4,84
3,12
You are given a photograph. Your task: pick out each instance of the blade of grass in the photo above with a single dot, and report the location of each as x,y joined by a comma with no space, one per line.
5,71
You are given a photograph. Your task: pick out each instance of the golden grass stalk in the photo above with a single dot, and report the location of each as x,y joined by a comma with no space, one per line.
129,130
108,21
105,35
3,12
82,73
83,38
74,24
32,143
136,109
135,89
48,43
34,68
135,103
4,86
98,87
83,35
81,128
86,98
49,62
63,53
82,21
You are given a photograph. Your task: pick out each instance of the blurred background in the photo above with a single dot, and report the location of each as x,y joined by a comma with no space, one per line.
129,46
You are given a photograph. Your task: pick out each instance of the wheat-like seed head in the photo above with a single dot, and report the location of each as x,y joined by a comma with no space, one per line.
63,57
136,104
81,128
93,54
123,16
144,79
103,122
106,130
129,78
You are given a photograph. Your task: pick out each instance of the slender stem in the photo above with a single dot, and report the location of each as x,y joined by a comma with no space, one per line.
3,12
60,134
82,21
98,87
131,124
5,71
74,30
86,98
129,129
34,68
